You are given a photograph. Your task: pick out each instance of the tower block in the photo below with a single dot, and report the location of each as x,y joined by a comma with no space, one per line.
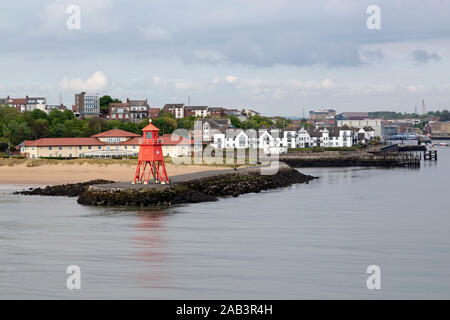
151,158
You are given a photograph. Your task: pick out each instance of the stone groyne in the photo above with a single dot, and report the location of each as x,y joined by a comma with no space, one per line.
67,190
192,188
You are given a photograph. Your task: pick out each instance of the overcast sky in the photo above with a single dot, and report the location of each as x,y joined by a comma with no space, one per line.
278,57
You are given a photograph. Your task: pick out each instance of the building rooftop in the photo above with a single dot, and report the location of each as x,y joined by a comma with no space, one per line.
63,142
174,105
196,108
18,100
139,103
352,115
115,133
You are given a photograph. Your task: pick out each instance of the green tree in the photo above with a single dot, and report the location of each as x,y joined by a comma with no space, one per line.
163,114
142,124
165,125
186,123
68,114
76,128
8,114
38,114
96,125
130,127
280,123
56,116
58,130
445,116
3,146
104,103
16,131
236,122
39,128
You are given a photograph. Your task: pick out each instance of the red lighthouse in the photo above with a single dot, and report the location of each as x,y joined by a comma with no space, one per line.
151,156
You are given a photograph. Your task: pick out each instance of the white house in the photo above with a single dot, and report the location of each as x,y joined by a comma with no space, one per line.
367,122
196,111
214,126
364,135
279,141
36,103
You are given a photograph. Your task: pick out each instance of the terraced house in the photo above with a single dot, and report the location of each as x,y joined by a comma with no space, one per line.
325,137
177,109
132,110
196,111
276,141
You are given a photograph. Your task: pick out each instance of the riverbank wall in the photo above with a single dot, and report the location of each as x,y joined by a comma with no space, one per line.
351,159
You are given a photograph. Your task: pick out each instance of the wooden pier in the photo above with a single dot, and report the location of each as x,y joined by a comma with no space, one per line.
404,159
412,148
430,155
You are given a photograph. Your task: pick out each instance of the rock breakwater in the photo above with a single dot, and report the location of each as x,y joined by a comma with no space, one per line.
227,184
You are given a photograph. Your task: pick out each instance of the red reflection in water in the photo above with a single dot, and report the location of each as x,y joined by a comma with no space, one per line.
151,245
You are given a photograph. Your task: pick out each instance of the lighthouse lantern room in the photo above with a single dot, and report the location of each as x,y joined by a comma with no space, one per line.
151,158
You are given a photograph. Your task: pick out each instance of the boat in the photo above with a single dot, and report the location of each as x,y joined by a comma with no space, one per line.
441,144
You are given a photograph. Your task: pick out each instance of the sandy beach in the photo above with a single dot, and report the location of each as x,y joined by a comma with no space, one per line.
52,174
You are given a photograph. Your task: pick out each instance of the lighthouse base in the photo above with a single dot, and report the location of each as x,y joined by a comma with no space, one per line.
155,170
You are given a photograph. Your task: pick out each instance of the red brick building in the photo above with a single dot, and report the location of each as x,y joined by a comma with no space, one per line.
153,113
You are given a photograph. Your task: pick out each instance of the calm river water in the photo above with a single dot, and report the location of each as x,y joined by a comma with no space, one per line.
307,241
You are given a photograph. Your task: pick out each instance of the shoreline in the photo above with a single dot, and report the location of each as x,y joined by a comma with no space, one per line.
184,188
61,173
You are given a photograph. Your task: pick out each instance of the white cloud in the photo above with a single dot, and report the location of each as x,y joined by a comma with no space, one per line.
302,84
156,81
279,93
215,80
97,81
230,79
155,33
313,85
444,87
373,89
256,83
187,85
209,55
328,84
416,88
